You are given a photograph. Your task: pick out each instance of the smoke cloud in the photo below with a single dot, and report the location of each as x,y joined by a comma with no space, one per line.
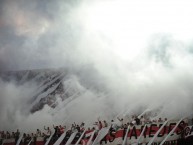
123,55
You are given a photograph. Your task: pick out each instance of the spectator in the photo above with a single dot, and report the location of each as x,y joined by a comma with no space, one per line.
154,121
56,132
100,125
82,124
73,127
3,136
61,129
49,132
105,123
78,128
32,135
38,133
93,128
24,137
82,127
8,136
12,135
113,125
148,121
121,122
142,120
17,134
133,121
137,120
128,124
160,120
43,135
27,139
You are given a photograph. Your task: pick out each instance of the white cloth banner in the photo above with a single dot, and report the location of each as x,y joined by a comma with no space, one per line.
71,138
60,139
102,133
80,137
90,139
125,137
47,142
138,140
19,140
29,142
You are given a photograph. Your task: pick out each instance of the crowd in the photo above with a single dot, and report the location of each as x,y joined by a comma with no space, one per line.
120,123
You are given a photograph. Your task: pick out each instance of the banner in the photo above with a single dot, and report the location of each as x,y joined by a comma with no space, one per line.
135,134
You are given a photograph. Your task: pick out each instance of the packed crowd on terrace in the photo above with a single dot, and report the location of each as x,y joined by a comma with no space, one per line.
118,123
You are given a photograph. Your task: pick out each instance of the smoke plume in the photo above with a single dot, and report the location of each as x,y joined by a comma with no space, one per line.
122,55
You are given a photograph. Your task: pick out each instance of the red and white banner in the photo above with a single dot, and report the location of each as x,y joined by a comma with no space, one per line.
134,133
145,134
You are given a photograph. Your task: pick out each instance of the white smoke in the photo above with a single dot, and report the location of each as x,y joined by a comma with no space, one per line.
124,55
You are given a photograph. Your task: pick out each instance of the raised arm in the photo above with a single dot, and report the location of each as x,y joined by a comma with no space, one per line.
45,128
118,118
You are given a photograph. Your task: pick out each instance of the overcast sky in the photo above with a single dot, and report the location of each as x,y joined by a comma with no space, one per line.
140,51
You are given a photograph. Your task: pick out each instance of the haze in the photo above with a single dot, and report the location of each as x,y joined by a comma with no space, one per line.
130,54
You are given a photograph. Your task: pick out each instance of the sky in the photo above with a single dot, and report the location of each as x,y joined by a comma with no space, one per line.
137,51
